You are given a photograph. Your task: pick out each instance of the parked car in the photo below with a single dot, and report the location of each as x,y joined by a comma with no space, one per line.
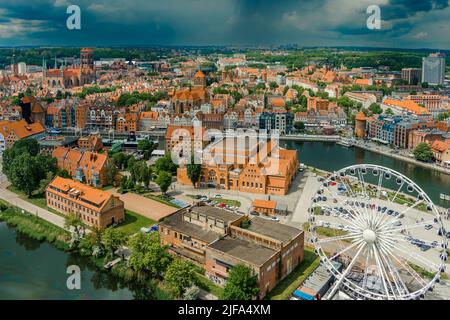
276,219
428,227
219,196
254,213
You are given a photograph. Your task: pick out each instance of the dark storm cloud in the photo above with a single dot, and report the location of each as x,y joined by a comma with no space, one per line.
119,22
407,8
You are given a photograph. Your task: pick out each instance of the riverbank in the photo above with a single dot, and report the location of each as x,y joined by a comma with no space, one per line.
363,145
331,157
378,150
41,231
34,227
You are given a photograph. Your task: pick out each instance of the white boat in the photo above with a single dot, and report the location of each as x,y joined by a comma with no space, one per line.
444,197
345,143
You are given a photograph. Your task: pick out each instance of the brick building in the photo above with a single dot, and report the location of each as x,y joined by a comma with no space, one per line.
270,249
217,240
93,206
247,167
12,131
85,166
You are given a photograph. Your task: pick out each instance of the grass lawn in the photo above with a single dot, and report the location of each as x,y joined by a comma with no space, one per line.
285,288
162,199
425,273
328,232
35,227
228,202
41,202
134,222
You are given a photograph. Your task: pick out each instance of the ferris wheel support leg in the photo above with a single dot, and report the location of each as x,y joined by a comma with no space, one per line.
349,267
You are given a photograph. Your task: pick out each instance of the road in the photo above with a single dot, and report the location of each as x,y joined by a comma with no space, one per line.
15,200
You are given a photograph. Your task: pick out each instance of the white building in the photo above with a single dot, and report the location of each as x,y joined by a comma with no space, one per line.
433,69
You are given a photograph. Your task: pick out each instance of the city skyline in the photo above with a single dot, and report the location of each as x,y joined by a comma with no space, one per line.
404,23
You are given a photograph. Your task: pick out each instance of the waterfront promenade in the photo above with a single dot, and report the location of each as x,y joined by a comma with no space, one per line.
15,200
370,146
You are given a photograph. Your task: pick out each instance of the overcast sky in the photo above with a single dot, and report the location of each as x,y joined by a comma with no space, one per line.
405,23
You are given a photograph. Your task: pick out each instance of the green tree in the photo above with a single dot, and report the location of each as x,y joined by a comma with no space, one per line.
124,183
260,86
389,112
375,108
24,173
73,223
423,152
112,239
164,180
26,168
91,243
193,171
180,275
44,183
191,293
146,147
299,126
130,163
63,174
241,284
120,159
148,257
165,164
111,172
443,116
140,173
273,85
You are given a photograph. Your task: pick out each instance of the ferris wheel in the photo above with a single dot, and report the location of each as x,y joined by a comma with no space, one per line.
377,233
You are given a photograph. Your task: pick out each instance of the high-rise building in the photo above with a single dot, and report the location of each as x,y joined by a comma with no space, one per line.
412,76
433,69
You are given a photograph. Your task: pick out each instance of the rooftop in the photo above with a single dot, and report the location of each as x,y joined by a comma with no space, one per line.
176,222
222,214
273,229
243,250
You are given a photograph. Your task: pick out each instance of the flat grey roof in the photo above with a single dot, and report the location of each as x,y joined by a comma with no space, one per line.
219,213
273,229
176,222
243,250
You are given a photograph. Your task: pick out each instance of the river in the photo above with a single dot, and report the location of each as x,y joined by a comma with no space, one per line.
330,156
30,269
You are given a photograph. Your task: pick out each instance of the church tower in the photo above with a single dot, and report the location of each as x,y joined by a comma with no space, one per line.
199,80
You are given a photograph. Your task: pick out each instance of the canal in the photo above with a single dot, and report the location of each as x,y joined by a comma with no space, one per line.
330,156
30,269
